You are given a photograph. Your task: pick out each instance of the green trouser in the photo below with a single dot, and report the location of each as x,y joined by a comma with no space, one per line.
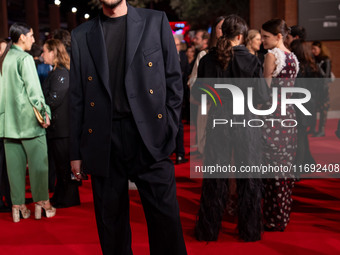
18,153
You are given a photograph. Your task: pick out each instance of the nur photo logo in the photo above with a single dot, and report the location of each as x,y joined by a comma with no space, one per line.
239,103
204,98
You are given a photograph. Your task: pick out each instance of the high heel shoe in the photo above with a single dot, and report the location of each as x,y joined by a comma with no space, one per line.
49,212
16,211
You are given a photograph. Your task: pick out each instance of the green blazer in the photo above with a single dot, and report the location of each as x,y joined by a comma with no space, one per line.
20,90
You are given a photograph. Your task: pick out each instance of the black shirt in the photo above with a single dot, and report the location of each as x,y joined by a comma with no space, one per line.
114,30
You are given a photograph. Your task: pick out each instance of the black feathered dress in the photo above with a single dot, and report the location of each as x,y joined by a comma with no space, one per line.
236,145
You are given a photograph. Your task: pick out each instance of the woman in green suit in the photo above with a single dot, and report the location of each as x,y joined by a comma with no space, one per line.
24,137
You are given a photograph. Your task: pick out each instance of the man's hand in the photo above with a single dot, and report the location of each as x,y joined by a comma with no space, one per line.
75,168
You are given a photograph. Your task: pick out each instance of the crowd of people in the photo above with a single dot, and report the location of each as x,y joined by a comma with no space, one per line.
35,78
279,54
40,94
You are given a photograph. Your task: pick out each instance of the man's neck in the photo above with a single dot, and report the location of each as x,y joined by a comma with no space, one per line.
205,46
119,11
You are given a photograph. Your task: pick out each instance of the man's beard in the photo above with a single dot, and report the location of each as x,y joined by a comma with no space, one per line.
111,5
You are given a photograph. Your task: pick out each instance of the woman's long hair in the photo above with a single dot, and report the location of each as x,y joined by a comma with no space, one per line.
232,26
304,54
8,44
15,31
324,52
213,38
61,57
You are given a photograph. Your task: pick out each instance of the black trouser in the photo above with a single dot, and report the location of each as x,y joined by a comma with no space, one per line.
157,188
51,168
4,184
66,192
303,154
243,147
180,151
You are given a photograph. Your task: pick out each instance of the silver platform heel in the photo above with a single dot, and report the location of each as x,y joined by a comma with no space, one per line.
15,214
49,212
25,213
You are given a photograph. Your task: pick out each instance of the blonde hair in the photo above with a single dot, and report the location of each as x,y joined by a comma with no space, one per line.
61,56
252,33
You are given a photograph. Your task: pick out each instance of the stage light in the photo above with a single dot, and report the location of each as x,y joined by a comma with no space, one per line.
57,2
86,16
74,9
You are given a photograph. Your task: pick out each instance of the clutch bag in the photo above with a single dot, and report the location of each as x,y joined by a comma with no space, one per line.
38,116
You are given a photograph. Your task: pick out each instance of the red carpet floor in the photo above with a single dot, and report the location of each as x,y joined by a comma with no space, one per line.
314,226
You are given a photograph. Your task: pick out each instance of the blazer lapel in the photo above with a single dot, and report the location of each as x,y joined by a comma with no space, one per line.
97,48
135,28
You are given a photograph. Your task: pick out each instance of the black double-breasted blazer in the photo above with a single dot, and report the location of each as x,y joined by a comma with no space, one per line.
152,81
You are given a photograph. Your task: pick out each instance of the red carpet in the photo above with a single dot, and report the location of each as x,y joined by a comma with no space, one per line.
314,226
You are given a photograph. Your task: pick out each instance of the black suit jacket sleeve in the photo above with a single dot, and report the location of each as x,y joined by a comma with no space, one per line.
174,86
76,96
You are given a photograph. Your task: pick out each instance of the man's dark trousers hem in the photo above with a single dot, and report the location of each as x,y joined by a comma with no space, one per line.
157,188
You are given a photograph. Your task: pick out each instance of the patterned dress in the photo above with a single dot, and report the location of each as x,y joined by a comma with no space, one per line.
280,146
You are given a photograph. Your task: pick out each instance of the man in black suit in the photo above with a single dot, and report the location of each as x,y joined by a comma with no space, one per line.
125,100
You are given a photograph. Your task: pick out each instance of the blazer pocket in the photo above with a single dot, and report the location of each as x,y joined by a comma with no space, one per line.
151,50
153,58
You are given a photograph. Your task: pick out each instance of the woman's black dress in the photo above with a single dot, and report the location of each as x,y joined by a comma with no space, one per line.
240,146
